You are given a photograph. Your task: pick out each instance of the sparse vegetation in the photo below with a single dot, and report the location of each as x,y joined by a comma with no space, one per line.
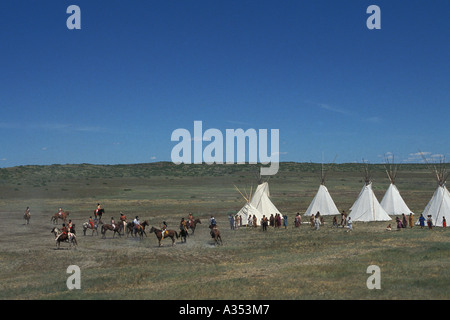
279,264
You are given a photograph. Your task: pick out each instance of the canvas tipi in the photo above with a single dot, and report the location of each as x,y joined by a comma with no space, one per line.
261,200
366,207
258,204
322,201
392,201
248,210
439,205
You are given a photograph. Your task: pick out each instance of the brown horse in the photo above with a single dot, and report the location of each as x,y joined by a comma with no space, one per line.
168,234
71,238
139,229
215,234
116,229
192,225
63,216
27,217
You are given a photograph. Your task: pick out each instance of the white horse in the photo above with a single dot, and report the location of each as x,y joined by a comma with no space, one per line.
87,225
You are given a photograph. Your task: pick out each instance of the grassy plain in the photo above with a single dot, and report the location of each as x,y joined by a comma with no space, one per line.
292,263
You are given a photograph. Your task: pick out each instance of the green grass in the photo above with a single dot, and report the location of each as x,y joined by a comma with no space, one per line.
278,264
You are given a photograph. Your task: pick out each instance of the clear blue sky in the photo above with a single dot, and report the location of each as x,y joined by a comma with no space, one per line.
114,91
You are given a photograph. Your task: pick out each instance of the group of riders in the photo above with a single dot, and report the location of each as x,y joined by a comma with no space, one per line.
136,223
69,229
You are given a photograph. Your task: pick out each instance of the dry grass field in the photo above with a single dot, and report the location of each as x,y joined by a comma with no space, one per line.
293,263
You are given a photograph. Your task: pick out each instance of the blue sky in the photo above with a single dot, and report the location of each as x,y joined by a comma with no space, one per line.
114,91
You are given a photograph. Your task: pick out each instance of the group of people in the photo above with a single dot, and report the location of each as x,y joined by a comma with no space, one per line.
252,221
404,222
236,221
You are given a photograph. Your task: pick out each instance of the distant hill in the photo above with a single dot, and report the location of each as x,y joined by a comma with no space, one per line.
32,173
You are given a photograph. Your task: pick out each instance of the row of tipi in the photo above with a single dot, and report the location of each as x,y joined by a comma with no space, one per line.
366,207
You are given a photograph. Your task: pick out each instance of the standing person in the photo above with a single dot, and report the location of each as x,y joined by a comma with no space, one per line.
298,220
335,223
278,220
264,223
285,221
422,221
231,219
255,221
410,220
404,223
249,221
399,223
430,222
343,218
317,222
444,222
272,220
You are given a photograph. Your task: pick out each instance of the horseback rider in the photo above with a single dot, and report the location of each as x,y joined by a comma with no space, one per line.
64,231
136,223
113,223
60,212
28,211
183,225
213,222
91,222
163,229
123,220
190,219
69,226
98,209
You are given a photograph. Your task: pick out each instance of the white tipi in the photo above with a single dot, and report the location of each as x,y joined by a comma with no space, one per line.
258,204
439,205
261,200
248,210
322,201
392,201
366,207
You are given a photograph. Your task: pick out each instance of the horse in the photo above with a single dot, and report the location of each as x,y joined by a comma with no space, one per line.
191,225
98,213
60,237
215,234
140,228
27,217
87,225
106,227
169,234
63,216
183,235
